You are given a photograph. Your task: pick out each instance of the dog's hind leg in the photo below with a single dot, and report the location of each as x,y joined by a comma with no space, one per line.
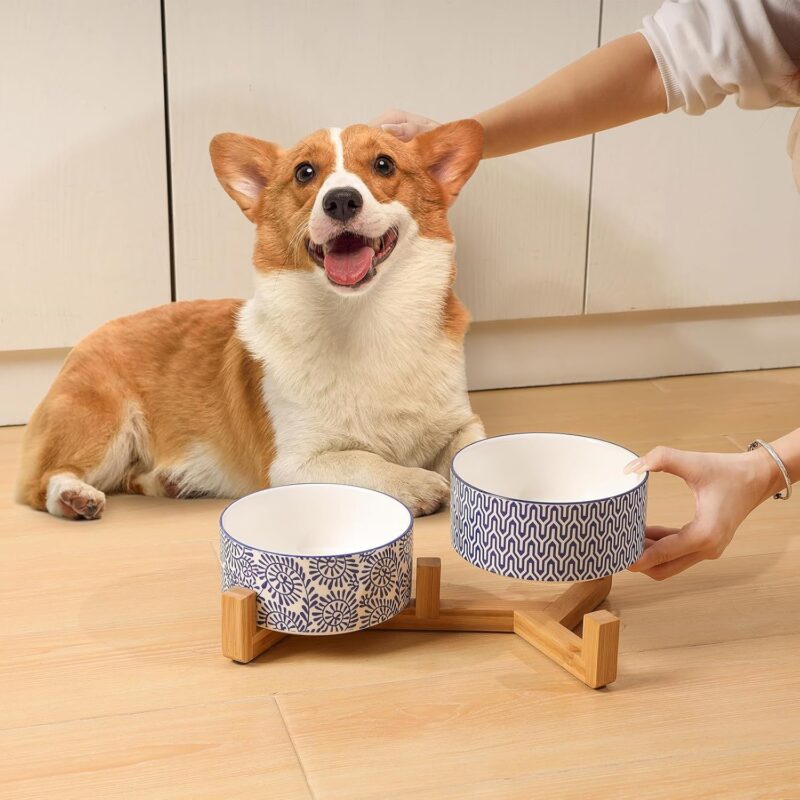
77,446
68,496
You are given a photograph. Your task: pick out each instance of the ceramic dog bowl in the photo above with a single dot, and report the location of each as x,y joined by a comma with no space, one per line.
323,558
547,507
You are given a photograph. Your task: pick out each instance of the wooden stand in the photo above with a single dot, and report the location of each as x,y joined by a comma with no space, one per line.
592,659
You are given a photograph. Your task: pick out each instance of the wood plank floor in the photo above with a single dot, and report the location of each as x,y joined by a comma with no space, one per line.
112,684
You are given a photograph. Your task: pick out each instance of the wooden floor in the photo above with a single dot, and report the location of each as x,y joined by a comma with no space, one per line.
112,683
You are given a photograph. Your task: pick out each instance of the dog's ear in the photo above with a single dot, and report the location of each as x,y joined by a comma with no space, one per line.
450,153
243,166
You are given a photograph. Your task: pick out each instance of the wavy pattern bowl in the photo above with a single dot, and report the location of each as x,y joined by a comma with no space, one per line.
547,507
323,558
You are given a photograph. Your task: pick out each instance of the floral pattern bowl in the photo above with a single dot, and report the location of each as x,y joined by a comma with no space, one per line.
323,558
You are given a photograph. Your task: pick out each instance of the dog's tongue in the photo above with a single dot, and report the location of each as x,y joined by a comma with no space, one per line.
347,266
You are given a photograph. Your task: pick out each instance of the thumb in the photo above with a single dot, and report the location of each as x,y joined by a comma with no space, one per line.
402,130
661,459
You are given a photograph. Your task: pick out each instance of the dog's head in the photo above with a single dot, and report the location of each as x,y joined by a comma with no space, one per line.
340,202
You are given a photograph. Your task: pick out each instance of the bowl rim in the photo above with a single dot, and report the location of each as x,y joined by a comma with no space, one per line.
369,550
639,485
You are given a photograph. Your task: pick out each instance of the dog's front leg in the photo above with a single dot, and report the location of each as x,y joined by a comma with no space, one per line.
423,491
471,432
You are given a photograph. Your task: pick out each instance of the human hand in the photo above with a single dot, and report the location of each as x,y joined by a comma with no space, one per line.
726,487
403,124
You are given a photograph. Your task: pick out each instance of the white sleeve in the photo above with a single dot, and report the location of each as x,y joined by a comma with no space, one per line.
708,49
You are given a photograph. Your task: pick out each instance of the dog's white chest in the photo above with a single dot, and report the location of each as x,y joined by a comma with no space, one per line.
378,375
401,403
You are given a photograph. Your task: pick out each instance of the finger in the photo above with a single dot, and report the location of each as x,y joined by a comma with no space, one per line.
671,568
650,543
656,460
661,459
657,532
671,547
403,130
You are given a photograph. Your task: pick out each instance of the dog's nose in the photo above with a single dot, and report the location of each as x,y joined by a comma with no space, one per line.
342,204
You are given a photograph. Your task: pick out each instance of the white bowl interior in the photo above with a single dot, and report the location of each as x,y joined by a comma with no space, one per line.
547,467
316,519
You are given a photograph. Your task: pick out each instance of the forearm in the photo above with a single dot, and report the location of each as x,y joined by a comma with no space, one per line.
613,85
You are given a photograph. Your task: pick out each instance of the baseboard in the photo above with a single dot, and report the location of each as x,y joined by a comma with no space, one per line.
635,345
547,351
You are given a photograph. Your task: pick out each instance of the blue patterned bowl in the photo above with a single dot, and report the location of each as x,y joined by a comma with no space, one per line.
323,558
547,507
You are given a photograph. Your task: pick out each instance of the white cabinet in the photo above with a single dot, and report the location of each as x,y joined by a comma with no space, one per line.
686,213
84,228
691,211
280,70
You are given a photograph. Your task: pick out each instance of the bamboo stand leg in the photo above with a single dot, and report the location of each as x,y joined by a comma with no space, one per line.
242,639
429,583
592,659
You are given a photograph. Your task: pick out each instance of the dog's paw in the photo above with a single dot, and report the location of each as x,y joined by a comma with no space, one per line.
84,502
423,491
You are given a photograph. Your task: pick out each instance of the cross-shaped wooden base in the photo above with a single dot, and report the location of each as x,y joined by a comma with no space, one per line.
548,627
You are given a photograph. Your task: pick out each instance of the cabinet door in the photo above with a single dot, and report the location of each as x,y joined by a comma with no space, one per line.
84,229
691,211
279,70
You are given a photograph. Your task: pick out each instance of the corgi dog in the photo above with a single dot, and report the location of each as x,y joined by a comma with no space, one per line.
346,366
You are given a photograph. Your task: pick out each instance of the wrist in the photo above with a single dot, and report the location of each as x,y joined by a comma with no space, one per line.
788,450
765,476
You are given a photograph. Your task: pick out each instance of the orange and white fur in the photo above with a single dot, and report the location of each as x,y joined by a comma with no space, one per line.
346,366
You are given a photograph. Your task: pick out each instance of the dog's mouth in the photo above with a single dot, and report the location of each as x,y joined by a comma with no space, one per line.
351,260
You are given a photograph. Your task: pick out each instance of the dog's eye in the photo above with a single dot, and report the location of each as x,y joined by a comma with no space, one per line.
304,172
384,165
